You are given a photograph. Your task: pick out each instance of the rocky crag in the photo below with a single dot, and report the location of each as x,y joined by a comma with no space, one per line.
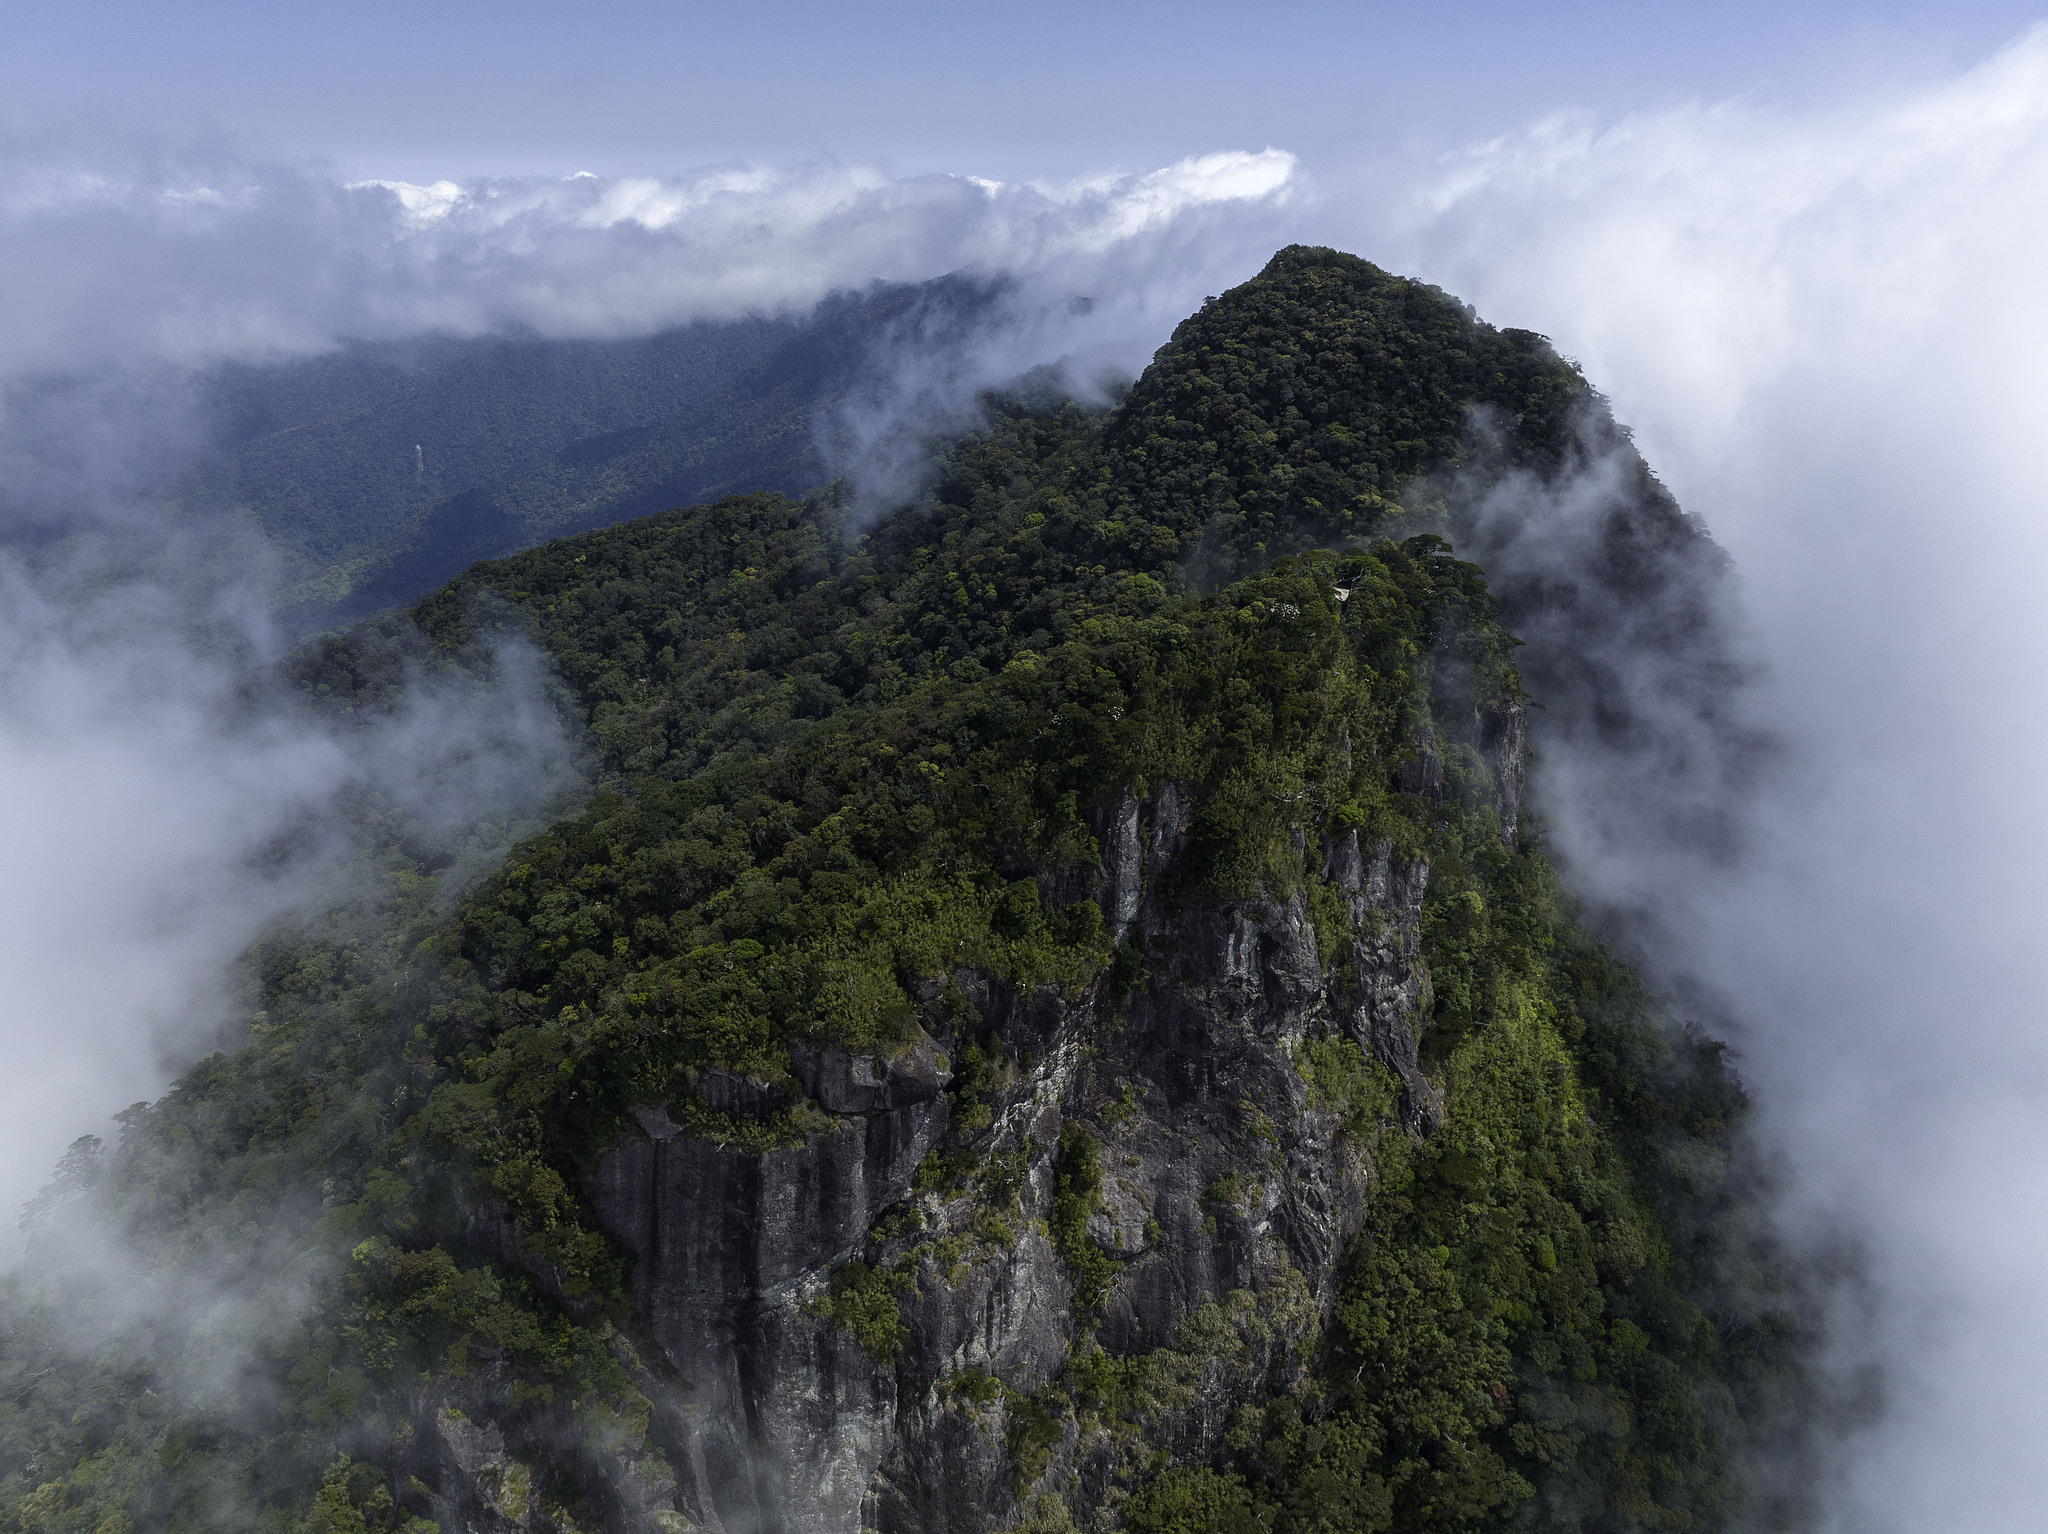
1224,1194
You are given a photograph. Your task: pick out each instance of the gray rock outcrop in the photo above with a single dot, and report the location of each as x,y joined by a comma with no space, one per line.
1226,1193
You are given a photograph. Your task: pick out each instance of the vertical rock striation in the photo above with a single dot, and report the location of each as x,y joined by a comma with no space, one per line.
1226,1194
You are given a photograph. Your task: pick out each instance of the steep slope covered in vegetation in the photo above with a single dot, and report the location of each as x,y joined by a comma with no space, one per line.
1054,1016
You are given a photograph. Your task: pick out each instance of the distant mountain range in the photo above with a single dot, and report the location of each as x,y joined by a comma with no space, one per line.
383,470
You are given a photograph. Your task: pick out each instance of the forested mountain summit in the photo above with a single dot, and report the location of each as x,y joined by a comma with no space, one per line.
1054,1015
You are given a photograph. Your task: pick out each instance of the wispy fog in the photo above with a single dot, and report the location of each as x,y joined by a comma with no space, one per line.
192,259
1828,331
156,817
1831,333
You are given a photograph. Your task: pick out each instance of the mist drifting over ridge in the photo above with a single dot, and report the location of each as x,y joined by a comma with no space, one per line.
137,775
1827,331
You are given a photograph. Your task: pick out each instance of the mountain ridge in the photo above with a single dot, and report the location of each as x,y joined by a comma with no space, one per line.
1054,1016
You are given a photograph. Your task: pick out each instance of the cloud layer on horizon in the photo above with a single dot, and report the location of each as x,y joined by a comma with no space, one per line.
188,261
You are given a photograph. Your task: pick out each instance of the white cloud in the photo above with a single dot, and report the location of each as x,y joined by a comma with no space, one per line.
1830,331
422,204
143,806
1126,207
188,262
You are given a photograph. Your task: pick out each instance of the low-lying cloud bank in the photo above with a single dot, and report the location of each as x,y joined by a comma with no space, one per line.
1829,330
191,261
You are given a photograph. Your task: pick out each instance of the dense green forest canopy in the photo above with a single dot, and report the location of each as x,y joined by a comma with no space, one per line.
837,762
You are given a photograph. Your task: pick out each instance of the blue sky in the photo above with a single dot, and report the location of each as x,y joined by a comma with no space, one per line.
1050,89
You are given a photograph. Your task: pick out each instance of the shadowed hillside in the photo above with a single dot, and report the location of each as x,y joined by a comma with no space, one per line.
382,471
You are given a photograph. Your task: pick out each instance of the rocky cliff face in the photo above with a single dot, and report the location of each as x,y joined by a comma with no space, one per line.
854,1330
